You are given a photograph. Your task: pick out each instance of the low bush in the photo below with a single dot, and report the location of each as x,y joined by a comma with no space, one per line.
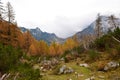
26,72
93,55
9,57
10,63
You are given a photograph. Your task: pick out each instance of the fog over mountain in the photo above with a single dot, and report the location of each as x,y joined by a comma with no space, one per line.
62,17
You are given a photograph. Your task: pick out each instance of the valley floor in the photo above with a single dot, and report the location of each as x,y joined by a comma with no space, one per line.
83,73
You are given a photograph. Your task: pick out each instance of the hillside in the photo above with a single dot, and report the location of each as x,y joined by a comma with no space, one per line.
10,34
40,35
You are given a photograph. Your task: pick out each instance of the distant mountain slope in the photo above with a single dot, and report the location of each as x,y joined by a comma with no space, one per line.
105,22
39,35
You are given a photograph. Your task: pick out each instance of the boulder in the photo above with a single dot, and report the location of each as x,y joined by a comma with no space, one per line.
69,79
46,64
62,59
49,64
111,65
54,61
62,69
101,77
68,70
36,66
65,70
84,65
78,74
41,68
91,78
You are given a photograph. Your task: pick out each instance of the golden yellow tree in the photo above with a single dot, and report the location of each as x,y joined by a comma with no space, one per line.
70,44
43,47
55,49
32,50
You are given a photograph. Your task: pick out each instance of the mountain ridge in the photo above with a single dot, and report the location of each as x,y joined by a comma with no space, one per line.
106,24
38,34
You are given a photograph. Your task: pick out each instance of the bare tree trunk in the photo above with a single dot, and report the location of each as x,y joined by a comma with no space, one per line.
85,47
3,76
16,76
7,76
115,39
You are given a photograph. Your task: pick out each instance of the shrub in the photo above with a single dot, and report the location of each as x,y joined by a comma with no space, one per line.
116,33
118,49
9,57
10,63
66,53
100,65
93,54
78,49
26,72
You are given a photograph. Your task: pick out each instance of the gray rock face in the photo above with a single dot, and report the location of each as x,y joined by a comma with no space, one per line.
111,65
106,24
40,35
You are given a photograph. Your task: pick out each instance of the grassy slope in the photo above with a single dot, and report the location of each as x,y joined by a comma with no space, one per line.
73,65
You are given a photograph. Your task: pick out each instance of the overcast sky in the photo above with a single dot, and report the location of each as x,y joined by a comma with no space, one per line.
62,17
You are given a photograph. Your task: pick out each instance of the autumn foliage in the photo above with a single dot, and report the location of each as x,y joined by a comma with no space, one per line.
55,49
10,34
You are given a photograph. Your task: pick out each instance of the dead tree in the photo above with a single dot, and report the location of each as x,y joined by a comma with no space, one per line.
3,76
98,27
112,22
1,10
115,39
10,13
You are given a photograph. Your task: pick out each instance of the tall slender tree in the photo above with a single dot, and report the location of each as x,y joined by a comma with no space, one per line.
10,13
98,26
1,10
112,22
